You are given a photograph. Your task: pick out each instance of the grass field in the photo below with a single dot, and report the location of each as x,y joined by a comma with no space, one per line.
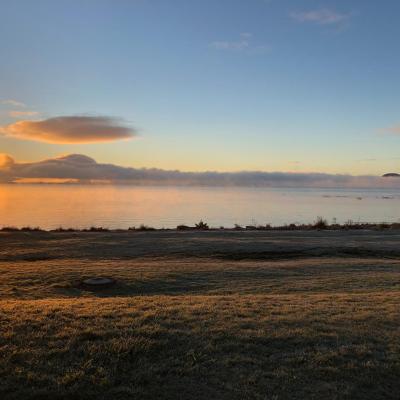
207,315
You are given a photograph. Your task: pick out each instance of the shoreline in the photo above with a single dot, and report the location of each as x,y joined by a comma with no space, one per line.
319,225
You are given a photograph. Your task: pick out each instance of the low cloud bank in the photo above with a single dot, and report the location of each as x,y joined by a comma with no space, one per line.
70,130
83,169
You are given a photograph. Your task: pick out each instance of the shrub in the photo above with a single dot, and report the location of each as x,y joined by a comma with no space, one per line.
320,223
61,229
10,229
202,225
31,229
143,227
96,229
183,228
383,225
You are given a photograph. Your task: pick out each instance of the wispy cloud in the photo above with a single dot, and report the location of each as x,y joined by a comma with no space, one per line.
395,130
322,16
243,43
18,114
14,103
70,130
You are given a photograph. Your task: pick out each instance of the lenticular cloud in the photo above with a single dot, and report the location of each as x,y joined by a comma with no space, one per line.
70,130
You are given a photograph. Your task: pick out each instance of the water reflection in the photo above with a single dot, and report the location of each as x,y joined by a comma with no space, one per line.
80,206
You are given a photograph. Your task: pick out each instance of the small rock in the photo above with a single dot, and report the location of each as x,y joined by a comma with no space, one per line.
98,282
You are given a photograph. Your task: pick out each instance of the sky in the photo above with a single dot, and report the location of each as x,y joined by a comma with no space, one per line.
223,85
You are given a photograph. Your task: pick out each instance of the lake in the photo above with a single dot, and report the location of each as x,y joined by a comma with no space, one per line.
81,206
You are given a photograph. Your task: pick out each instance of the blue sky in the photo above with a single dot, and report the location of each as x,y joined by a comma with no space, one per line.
274,85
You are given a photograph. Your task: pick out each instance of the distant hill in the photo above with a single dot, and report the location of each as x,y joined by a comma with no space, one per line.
391,175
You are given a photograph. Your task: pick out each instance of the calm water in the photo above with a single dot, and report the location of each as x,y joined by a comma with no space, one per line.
51,206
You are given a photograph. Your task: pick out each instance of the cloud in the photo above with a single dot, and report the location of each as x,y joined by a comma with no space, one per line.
13,103
241,44
17,114
395,130
83,169
5,161
320,17
244,43
70,130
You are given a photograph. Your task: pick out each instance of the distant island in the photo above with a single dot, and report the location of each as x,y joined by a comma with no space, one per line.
391,175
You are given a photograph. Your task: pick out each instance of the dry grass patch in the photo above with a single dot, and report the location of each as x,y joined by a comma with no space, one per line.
200,316
200,347
165,276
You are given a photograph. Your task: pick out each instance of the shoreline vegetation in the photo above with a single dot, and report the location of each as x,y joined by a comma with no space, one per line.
319,224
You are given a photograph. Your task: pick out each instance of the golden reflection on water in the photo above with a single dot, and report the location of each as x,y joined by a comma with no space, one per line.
51,206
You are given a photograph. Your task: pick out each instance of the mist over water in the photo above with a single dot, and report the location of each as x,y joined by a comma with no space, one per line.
117,206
